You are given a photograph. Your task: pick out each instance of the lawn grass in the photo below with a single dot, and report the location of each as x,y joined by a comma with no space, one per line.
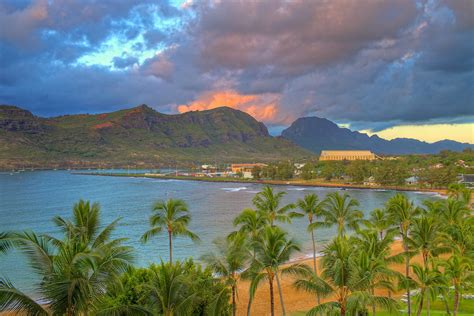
466,308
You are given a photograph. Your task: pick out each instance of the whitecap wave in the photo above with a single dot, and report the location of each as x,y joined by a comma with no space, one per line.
296,189
234,189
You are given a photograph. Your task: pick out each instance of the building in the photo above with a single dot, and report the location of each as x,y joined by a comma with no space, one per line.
467,180
411,180
245,168
338,155
208,168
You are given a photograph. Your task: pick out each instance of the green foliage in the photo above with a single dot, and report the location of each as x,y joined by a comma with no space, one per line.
184,288
75,269
308,171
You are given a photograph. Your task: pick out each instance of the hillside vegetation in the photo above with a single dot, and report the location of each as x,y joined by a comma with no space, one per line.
138,137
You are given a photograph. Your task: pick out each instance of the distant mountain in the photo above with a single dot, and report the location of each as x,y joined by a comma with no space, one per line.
137,136
316,134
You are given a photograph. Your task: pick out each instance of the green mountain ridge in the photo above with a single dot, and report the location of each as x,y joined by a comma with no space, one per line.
138,136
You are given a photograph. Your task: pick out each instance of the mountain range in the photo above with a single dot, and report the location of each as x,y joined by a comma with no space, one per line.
141,136
316,134
138,136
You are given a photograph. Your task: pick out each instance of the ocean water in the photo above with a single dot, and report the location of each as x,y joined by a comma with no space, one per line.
29,200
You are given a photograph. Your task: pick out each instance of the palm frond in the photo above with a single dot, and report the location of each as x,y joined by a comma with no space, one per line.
12,299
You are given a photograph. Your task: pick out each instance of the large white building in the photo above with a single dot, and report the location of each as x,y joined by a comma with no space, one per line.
338,155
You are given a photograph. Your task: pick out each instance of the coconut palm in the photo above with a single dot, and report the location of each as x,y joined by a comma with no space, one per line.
452,212
459,272
425,238
340,210
171,289
371,268
379,222
459,192
268,203
428,281
345,280
273,249
250,223
460,238
312,208
231,259
75,270
174,217
403,213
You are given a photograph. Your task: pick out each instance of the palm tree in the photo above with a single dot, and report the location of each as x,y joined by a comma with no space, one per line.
403,212
340,210
428,281
341,276
312,208
231,259
172,216
75,270
250,223
379,222
371,265
459,192
273,249
268,205
171,289
452,212
459,272
425,238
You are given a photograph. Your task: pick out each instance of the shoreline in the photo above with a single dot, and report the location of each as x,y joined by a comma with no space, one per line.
297,183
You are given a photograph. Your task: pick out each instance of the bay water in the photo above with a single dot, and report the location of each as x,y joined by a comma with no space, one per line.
29,200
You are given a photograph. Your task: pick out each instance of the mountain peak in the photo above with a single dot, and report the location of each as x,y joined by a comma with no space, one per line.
316,134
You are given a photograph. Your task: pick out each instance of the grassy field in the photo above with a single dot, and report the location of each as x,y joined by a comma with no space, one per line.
466,308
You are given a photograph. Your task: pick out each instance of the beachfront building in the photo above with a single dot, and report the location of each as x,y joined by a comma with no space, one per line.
467,180
245,168
339,155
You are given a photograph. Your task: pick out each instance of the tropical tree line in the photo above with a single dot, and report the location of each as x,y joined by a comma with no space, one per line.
86,271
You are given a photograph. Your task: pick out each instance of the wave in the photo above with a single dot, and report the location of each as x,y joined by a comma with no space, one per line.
296,189
234,189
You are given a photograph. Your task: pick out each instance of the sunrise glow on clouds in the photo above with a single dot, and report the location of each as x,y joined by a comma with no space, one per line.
401,68
262,107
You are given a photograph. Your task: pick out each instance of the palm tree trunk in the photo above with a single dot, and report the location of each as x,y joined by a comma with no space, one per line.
283,311
428,304
420,307
373,304
249,305
272,302
315,265
407,274
171,246
234,306
456,302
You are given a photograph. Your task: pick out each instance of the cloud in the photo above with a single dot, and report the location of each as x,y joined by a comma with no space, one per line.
124,62
370,64
295,36
262,107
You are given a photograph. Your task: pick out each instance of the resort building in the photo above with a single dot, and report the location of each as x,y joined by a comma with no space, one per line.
338,155
467,180
245,168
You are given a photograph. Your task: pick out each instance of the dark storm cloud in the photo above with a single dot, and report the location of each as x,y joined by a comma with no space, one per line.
373,64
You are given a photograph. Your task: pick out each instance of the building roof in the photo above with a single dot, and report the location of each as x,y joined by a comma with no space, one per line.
468,178
243,165
346,153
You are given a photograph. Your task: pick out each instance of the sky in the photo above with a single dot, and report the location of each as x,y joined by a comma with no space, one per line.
398,68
